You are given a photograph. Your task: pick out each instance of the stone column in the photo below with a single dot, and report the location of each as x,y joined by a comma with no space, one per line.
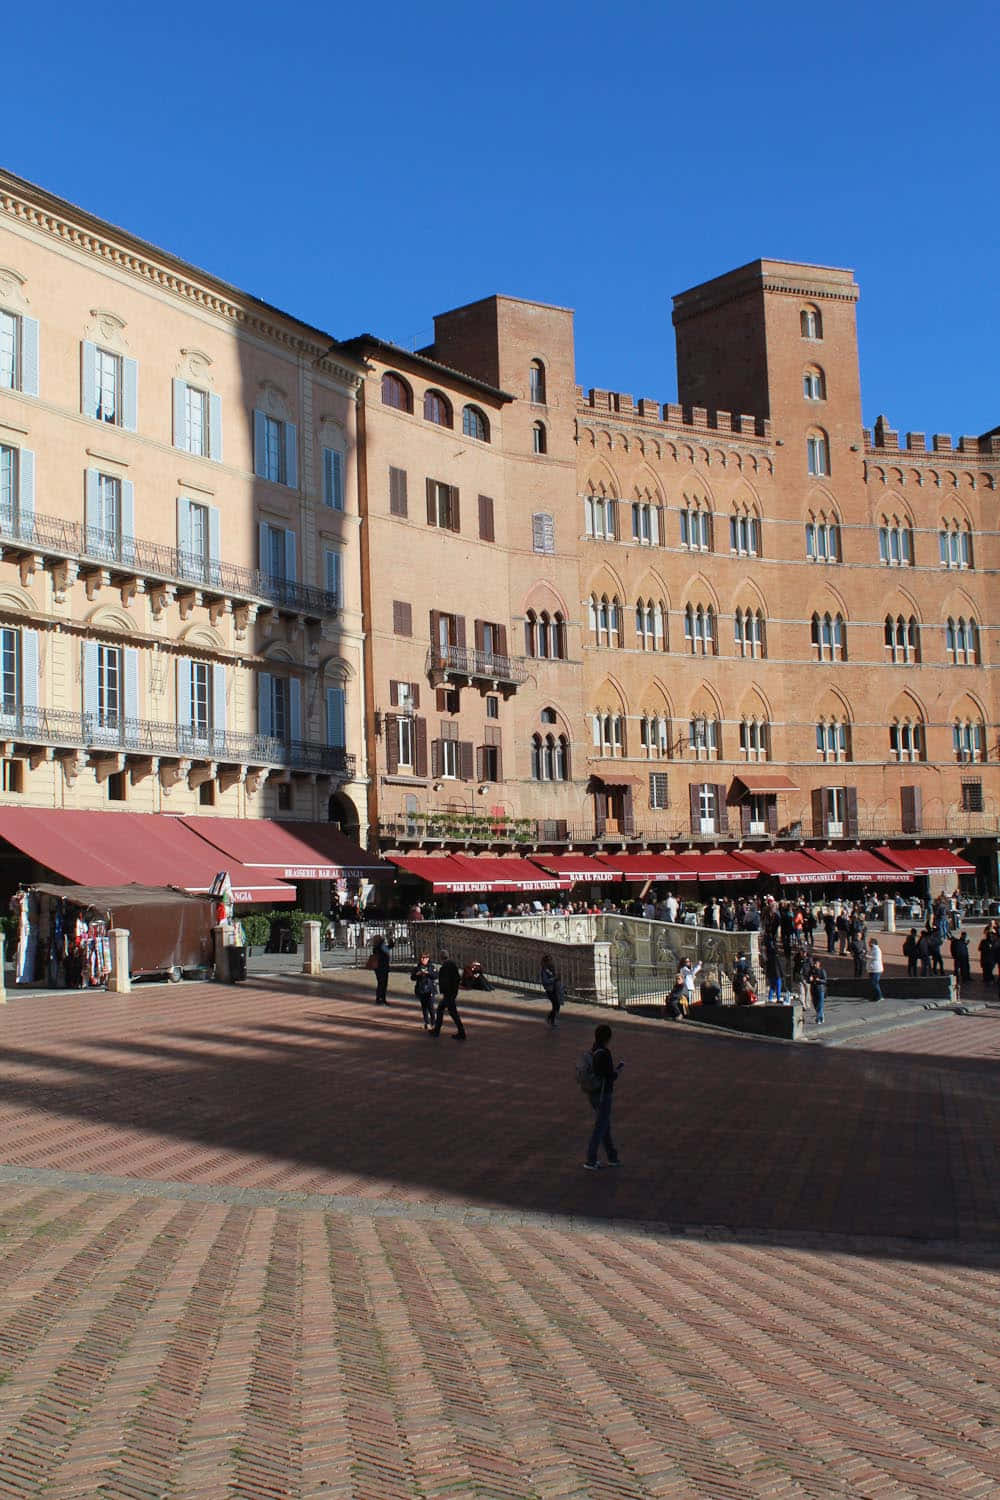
312,958
119,980
889,915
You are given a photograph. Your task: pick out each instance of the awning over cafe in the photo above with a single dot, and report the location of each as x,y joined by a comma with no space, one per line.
575,867
292,851
788,866
860,866
927,861
652,866
763,784
716,865
444,875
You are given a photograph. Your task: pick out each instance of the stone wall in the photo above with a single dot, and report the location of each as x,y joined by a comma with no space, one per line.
516,957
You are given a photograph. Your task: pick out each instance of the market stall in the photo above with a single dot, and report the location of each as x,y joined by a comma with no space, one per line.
63,932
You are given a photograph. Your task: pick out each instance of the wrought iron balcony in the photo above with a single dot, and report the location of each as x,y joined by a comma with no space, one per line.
53,536
64,730
449,662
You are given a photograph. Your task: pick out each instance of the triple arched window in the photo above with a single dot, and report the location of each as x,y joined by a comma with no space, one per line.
955,544
749,632
823,538
396,392
549,757
755,739
696,527
545,635
650,625
609,734
606,620
705,737
968,740
700,630
654,736
902,638
744,533
829,637
645,523
906,739
895,542
833,739
601,513
961,638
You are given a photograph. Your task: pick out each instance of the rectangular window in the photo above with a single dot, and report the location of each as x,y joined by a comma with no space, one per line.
543,533
834,802
397,492
333,571
402,618
8,486
333,478
404,741
109,686
274,451
449,758
658,790
11,776
196,421
280,715
489,762
199,533
492,707
972,796
10,670
707,807
486,532
201,700
10,352
442,505
108,384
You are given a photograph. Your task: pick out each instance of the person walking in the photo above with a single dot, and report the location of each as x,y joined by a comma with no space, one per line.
910,953
381,950
449,980
605,1073
424,978
987,947
876,968
817,988
686,975
934,944
552,985
830,928
774,969
960,957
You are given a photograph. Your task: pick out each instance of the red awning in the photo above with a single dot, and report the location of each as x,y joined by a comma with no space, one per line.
98,848
716,865
754,783
858,865
790,866
292,851
927,861
512,873
652,866
445,875
575,867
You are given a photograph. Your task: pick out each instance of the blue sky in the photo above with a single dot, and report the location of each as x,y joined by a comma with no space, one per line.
368,166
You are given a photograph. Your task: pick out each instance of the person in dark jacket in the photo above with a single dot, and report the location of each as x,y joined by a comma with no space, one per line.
774,968
857,947
830,928
552,985
449,980
934,944
924,953
817,988
987,951
910,953
424,978
380,952
960,957
605,1073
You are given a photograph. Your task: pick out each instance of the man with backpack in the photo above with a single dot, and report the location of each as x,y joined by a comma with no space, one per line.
596,1073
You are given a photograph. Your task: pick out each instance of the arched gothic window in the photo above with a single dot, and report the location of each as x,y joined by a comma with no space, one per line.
906,739
474,424
744,533
811,323
902,638
833,739
823,538
699,630
829,637
536,382
955,545
749,633
755,739
437,408
609,733
600,514
654,736
968,740
396,392
895,542
705,737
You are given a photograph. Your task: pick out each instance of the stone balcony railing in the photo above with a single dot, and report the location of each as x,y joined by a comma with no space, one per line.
62,729
54,539
448,663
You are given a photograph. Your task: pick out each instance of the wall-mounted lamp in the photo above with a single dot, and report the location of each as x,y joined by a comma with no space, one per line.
435,786
484,789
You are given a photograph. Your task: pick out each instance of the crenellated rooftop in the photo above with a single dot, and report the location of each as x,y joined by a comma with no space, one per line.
690,419
884,439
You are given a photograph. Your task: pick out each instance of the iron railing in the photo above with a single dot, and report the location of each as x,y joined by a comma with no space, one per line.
174,565
484,666
112,732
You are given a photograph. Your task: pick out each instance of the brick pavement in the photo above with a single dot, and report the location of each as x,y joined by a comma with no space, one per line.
267,1241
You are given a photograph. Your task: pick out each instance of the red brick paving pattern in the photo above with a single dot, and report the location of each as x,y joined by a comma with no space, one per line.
453,1332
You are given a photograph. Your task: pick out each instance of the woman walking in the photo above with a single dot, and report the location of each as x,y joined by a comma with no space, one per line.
552,985
424,978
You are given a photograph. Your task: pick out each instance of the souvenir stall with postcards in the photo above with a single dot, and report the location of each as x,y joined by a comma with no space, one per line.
63,933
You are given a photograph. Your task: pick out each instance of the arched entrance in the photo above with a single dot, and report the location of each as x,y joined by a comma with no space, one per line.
344,815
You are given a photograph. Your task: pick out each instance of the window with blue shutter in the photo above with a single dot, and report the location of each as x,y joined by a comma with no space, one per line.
218,702
294,709
291,443
130,395
26,491
215,428
332,560
333,478
265,715
30,685
29,356
336,724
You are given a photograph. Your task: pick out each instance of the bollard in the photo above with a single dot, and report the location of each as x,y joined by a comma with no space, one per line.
889,915
312,958
119,980
219,935
3,961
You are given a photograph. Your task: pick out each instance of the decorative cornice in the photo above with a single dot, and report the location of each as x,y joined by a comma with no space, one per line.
175,282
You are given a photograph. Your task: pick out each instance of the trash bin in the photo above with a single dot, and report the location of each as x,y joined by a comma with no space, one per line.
237,962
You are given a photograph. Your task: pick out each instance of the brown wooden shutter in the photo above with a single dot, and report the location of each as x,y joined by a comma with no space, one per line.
745,817
431,503
420,746
477,634
435,758
661,525
391,744
499,761
394,694
628,812
441,700
501,640
435,630
600,812
819,821
772,815
460,632
415,694
911,804
454,513
466,760
694,805
397,492
851,811
481,763
402,618
486,532
721,810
